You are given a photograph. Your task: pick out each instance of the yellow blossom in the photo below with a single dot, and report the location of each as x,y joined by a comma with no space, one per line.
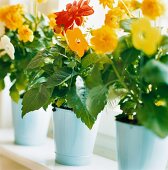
25,34
129,5
52,19
12,16
114,16
153,8
144,36
108,3
76,41
41,1
104,40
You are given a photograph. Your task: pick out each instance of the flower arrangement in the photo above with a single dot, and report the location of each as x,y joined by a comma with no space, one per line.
22,36
126,57
63,72
138,62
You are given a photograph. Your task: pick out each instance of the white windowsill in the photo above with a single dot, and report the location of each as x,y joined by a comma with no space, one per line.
42,157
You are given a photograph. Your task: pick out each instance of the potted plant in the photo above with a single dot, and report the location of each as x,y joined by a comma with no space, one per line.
139,75
29,34
64,79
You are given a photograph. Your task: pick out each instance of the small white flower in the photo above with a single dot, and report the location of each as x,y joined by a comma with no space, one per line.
2,29
7,46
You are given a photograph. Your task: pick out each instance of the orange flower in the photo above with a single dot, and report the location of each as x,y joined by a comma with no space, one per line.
74,14
114,16
51,18
76,41
12,16
153,8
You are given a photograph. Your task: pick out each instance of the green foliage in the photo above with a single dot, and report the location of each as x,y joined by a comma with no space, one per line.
60,76
94,77
2,85
139,80
58,69
14,93
97,99
24,53
155,72
76,98
35,98
152,116
143,81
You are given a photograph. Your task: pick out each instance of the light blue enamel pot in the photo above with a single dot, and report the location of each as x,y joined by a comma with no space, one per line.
140,149
73,140
32,129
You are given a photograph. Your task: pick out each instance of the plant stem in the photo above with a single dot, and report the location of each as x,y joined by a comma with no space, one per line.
35,13
118,75
125,6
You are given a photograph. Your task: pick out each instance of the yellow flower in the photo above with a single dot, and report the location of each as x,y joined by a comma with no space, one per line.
135,4
104,40
153,8
114,16
41,1
76,41
144,36
25,34
52,18
108,3
129,5
12,16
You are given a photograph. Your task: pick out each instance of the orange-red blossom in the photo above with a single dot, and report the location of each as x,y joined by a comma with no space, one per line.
73,14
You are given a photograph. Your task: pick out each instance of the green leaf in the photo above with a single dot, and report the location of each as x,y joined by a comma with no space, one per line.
128,105
4,68
14,93
94,58
76,99
60,76
36,62
21,81
35,98
129,56
97,99
2,85
125,43
155,72
126,24
94,78
153,117
164,59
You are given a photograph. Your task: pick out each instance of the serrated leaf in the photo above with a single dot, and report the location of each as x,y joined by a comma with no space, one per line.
36,62
97,99
155,72
35,98
76,99
60,76
94,78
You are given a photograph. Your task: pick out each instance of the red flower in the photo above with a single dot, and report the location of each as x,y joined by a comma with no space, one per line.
74,13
